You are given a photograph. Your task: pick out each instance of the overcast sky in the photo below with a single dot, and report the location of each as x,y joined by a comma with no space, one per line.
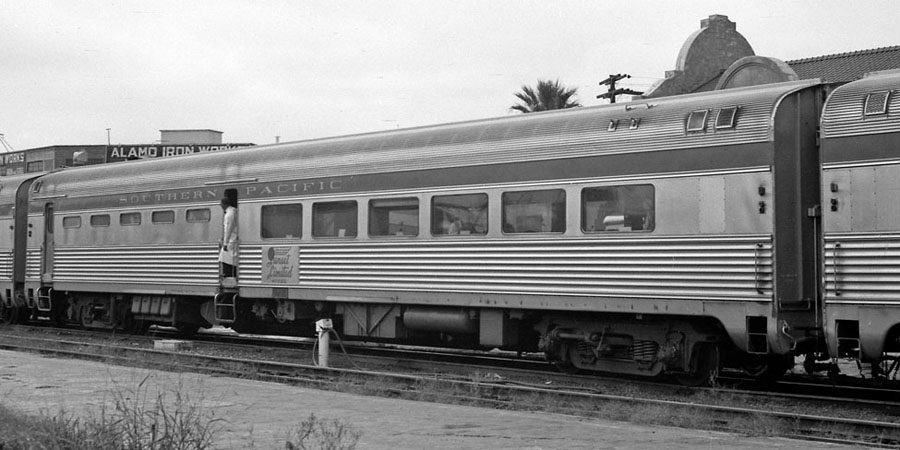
297,69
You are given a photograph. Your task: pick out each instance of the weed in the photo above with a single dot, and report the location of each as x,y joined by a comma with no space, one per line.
322,434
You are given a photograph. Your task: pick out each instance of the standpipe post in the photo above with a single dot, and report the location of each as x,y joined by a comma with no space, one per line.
323,328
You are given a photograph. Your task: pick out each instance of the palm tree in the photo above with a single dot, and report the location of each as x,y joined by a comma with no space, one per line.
545,96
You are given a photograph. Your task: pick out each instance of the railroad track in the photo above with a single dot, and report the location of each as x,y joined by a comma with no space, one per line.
872,422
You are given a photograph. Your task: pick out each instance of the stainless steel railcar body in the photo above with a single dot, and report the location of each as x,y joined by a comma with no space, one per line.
720,253
13,232
861,217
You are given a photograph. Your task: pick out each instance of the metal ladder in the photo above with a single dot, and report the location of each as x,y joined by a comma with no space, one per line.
225,303
43,299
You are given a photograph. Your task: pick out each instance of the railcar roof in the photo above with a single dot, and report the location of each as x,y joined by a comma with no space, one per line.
9,184
851,111
659,125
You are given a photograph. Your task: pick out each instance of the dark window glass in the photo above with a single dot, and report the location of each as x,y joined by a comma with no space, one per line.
132,218
163,217
335,219
100,220
459,214
618,208
394,217
282,221
197,215
72,222
534,211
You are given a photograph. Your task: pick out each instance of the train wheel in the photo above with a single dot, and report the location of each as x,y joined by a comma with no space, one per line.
187,329
704,366
8,314
767,368
566,367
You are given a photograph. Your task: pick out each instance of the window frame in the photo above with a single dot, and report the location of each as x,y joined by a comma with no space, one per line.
648,216
262,222
188,219
554,229
398,200
167,212
437,225
69,226
140,219
316,214
97,218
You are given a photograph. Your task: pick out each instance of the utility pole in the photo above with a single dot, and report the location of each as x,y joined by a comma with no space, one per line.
613,92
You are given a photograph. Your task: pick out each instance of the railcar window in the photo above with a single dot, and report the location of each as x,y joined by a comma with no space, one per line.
876,103
197,215
335,219
100,220
281,221
394,217
72,222
534,211
459,214
725,118
617,208
697,121
133,218
163,217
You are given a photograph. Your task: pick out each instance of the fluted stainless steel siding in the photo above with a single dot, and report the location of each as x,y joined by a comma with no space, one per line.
33,263
862,269
163,264
843,114
579,132
6,264
720,268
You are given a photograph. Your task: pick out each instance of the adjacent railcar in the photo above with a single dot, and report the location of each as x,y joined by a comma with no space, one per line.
14,305
861,219
657,236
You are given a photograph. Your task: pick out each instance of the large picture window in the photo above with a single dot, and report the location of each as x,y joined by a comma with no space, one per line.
618,208
459,214
282,221
335,219
394,217
534,211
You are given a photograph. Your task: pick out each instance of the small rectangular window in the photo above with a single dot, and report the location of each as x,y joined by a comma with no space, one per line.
617,208
132,218
100,220
282,221
459,214
163,217
394,217
72,222
197,215
335,219
534,211
697,121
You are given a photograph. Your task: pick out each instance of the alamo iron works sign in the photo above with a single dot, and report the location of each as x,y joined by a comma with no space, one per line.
117,153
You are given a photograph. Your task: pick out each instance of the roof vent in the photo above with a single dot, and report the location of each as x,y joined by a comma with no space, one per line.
725,118
876,103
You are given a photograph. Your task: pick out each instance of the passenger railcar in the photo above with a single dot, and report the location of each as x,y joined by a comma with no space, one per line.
666,235
13,232
861,219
